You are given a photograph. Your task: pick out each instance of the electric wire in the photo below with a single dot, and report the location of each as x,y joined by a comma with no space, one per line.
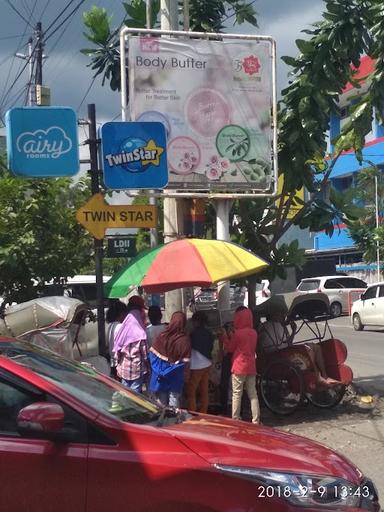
12,37
86,93
47,34
19,13
6,91
30,11
44,9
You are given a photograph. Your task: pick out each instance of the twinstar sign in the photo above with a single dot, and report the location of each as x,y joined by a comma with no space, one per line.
97,216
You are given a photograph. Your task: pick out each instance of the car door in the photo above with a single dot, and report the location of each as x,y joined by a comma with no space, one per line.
38,474
377,306
368,308
336,293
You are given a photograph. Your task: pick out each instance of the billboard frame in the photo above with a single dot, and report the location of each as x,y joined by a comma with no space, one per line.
185,192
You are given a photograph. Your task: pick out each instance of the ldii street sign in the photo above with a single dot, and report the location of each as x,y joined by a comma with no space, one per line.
122,247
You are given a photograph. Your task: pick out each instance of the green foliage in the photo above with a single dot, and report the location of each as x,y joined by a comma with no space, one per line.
363,230
40,239
204,16
105,59
348,29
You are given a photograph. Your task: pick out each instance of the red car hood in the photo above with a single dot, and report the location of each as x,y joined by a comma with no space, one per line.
220,440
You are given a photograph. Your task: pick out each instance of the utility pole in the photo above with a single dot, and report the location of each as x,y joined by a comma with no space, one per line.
173,214
93,143
153,233
35,60
31,86
39,54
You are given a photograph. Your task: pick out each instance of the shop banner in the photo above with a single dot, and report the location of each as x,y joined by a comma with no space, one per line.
215,100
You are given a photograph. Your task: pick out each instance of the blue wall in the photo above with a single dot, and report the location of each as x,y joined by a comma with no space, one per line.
338,240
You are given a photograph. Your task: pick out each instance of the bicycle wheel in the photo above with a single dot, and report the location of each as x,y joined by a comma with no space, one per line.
327,397
281,387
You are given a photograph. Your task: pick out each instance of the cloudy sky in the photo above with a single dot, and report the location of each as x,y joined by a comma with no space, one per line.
65,70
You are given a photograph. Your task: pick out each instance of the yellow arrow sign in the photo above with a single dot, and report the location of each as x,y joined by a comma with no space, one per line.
97,216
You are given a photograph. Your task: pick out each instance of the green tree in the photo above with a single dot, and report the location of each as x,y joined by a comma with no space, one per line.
204,16
320,71
40,239
364,232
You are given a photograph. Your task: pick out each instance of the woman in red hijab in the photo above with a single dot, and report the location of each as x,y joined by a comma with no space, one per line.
169,356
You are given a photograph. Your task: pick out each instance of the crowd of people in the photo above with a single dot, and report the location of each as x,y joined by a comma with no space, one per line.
172,361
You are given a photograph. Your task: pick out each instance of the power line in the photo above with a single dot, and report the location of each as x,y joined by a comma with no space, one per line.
44,9
65,19
12,37
59,16
30,11
86,93
17,12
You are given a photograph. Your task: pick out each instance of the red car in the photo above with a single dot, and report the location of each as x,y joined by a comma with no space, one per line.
74,440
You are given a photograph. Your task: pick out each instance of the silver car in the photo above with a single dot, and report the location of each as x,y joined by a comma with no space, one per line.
341,291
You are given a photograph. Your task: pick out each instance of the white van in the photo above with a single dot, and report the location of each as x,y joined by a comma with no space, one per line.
82,287
337,288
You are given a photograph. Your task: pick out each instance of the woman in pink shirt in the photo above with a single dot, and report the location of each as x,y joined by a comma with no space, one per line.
242,343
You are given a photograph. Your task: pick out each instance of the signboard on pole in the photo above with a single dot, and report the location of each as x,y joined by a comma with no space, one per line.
216,102
97,216
134,155
42,142
121,247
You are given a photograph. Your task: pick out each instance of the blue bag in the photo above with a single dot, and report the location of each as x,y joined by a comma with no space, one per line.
165,376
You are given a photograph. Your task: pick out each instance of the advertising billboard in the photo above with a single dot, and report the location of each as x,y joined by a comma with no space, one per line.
134,155
42,142
215,101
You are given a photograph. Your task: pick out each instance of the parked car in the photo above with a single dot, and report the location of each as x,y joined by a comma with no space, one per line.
338,288
369,309
262,292
206,298
73,439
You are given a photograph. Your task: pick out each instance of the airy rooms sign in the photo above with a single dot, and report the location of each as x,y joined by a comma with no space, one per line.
42,142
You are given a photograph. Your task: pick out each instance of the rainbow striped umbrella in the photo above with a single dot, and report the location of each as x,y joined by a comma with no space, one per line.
184,263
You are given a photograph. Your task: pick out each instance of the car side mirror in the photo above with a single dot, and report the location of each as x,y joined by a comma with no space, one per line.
41,419
362,296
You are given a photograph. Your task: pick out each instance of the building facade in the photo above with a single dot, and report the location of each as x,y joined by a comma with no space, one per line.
340,246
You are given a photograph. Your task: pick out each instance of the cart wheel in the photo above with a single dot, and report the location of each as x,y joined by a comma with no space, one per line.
281,387
327,397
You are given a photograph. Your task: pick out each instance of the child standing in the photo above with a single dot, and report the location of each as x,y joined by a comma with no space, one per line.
242,343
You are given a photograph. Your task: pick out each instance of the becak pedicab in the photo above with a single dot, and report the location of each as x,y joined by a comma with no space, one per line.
301,359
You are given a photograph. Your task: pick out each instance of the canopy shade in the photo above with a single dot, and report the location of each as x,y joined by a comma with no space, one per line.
184,263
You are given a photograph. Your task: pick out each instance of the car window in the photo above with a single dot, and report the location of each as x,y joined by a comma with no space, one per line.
370,293
83,382
358,283
332,284
307,286
352,282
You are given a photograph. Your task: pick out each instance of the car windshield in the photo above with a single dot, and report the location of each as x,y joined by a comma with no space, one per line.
307,286
83,382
